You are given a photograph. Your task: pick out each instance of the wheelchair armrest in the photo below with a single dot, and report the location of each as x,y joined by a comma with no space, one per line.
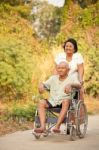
46,88
75,90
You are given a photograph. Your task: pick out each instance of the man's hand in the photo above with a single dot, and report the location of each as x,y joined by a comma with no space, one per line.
68,89
41,88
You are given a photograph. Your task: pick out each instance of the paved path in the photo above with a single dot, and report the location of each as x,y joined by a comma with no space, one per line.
25,140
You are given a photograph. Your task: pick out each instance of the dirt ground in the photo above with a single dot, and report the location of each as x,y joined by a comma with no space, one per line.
12,126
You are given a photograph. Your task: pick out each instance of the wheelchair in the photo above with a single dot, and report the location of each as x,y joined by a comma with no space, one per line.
75,122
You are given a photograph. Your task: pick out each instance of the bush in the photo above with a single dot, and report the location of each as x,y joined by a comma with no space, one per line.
24,11
89,16
23,113
15,68
12,2
91,76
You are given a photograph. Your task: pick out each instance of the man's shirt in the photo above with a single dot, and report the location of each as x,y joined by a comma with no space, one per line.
56,87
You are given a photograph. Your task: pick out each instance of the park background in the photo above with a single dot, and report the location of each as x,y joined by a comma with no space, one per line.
32,32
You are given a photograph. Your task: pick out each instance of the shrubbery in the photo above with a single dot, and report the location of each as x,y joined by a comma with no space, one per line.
20,113
12,2
89,16
7,10
15,67
91,75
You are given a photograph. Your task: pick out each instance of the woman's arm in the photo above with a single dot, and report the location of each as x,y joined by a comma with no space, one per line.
81,72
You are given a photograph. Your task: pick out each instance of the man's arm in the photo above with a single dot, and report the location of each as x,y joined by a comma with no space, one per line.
41,88
45,85
69,87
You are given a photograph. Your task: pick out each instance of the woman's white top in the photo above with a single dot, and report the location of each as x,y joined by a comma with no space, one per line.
77,59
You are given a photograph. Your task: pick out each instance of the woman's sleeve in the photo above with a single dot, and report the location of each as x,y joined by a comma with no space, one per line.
80,59
74,78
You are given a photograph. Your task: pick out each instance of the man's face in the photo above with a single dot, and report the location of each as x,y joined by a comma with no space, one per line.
62,69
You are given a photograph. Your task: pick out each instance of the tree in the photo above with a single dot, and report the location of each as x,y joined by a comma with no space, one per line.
46,22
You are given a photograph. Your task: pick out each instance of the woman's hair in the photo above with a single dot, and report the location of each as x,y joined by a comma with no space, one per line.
73,41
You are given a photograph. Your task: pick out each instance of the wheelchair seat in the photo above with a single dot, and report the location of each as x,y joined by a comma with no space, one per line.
55,109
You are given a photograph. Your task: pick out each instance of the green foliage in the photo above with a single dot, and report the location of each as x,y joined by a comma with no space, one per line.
13,2
89,16
24,11
6,10
25,113
60,38
63,13
86,3
15,66
86,18
19,112
92,76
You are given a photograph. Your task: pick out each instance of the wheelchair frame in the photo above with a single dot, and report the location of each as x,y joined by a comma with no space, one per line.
76,119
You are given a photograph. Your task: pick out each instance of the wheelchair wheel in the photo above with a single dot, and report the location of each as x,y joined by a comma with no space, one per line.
72,133
68,130
81,119
36,124
36,121
37,136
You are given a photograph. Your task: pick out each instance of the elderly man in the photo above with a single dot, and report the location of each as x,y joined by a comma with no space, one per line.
60,87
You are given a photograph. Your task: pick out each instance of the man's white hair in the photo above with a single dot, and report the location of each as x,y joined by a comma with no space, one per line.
64,62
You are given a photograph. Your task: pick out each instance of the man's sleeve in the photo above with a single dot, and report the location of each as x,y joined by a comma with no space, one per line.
47,83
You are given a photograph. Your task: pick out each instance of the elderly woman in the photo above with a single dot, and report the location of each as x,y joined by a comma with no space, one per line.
74,59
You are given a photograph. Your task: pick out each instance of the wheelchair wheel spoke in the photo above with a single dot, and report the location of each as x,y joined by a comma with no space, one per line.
82,120
72,133
37,136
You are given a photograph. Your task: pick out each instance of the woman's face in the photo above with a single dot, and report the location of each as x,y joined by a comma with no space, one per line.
69,48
